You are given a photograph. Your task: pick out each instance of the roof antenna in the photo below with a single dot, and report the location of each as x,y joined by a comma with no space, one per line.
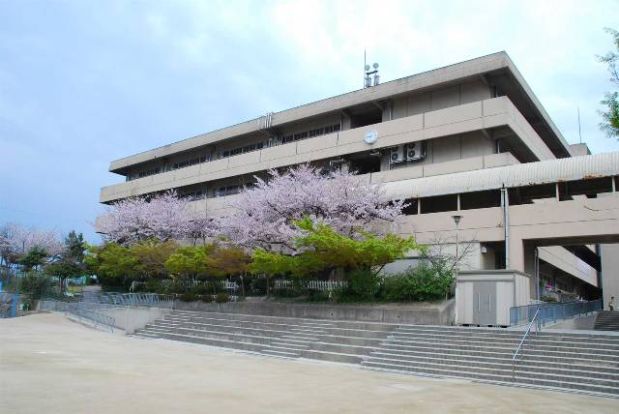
367,79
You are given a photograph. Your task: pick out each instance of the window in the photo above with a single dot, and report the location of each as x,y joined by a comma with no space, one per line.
439,204
526,195
590,188
150,171
411,208
480,199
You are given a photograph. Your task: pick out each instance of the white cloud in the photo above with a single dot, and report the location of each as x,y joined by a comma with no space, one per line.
118,77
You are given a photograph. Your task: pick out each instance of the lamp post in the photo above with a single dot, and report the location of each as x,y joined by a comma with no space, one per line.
457,219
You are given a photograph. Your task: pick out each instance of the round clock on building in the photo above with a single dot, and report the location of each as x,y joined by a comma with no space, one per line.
370,137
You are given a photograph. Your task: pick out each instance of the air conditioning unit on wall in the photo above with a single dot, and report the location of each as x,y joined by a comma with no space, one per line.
415,151
396,155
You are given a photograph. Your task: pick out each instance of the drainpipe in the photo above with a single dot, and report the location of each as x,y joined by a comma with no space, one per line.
537,292
505,205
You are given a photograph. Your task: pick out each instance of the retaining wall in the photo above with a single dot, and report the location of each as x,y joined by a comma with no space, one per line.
441,313
132,318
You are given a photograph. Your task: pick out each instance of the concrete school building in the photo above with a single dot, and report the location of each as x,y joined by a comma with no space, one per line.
468,145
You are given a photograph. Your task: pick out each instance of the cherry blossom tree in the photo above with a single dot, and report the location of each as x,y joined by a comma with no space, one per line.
17,240
163,217
264,215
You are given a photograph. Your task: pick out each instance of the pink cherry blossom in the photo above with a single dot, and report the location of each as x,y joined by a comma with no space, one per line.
163,217
264,215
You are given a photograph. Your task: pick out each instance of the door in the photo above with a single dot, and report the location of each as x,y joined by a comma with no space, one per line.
484,311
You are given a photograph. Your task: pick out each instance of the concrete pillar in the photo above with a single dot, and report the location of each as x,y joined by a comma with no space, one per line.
530,267
610,272
516,254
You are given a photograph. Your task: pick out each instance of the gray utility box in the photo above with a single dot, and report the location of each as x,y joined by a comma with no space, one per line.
484,297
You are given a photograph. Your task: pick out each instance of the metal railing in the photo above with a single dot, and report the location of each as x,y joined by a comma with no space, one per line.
527,332
551,312
9,304
86,311
131,299
94,307
321,285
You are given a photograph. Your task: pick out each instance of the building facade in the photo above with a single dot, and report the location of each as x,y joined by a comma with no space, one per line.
469,146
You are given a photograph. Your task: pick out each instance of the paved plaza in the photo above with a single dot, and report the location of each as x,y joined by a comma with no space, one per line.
49,364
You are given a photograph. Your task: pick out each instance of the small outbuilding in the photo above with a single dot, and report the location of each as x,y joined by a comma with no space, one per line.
484,297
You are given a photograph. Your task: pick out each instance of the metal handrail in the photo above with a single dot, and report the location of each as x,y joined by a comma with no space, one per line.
524,337
97,318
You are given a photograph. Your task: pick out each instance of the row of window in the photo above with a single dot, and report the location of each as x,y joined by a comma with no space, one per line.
311,133
228,190
519,195
241,150
175,166
219,192
148,172
193,195
190,162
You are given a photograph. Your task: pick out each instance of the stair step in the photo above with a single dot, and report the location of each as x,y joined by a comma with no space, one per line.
504,369
582,362
281,354
600,369
502,379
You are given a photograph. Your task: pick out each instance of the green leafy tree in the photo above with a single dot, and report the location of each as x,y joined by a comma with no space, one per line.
64,269
75,247
152,256
34,258
610,115
35,285
70,262
189,262
326,247
113,264
324,250
229,261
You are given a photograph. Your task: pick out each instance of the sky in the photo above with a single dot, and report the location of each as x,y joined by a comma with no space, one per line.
85,82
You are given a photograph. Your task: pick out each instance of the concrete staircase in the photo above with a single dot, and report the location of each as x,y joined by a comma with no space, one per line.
607,321
576,362
340,341
564,361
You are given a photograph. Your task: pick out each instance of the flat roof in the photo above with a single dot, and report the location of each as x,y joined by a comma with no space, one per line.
498,66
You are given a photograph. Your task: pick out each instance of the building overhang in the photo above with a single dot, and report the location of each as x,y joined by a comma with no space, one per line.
519,175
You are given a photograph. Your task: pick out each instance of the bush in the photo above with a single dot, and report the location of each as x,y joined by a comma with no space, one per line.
154,286
188,297
222,297
420,284
206,298
35,285
202,289
175,286
257,286
363,285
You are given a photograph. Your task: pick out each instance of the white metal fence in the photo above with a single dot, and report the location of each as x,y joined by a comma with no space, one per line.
320,285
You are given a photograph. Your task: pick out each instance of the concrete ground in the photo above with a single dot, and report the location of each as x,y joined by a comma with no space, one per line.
49,364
